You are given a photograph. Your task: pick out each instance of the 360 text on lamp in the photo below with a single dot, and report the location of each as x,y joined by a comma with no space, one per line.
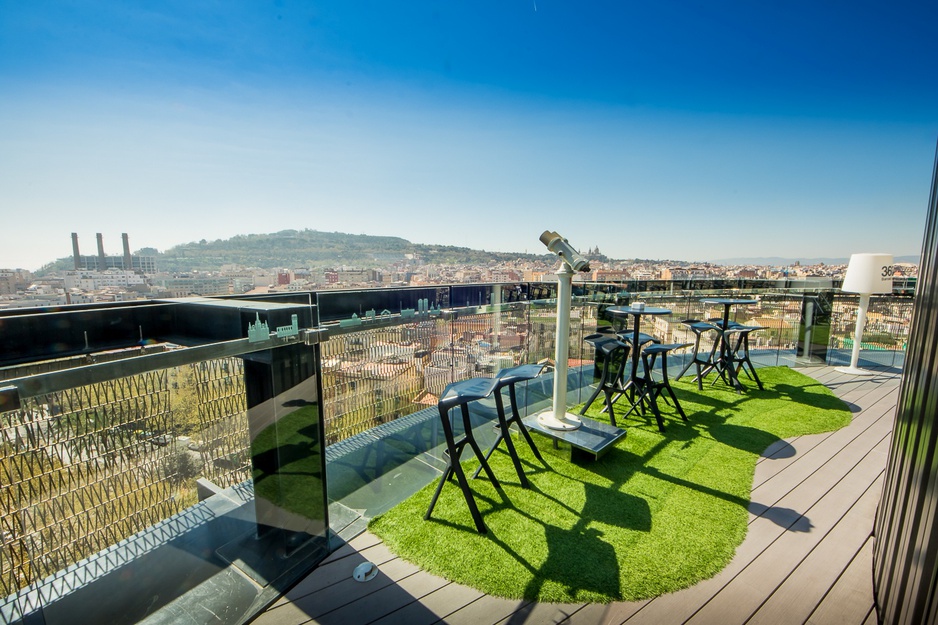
866,274
557,418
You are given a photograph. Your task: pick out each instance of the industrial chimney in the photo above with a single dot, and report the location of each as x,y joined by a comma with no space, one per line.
128,261
75,255
102,259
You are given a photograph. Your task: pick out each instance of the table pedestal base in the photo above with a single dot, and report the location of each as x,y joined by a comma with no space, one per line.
564,423
592,440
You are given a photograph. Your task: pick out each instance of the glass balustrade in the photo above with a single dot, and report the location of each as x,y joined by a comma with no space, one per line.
175,464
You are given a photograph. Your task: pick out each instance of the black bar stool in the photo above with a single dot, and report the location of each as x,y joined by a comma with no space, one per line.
508,378
704,363
735,353
739,351
460,394
652,388
615,357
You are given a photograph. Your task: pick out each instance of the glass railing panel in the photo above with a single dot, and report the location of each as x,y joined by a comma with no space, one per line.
885,333
581,360
383,426
374,375
84,468
123,494
343,304
542,330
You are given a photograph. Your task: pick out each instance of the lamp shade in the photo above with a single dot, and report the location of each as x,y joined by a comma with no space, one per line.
869,273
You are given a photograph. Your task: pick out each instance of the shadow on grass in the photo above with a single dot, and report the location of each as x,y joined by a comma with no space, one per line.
577,559
608,529
749,439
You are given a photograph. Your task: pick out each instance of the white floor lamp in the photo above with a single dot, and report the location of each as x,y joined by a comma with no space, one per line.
866,274
557,417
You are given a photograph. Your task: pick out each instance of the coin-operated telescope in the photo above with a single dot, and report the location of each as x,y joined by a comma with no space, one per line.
559,246
557,417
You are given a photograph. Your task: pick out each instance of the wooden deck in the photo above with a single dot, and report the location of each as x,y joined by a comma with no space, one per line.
807,557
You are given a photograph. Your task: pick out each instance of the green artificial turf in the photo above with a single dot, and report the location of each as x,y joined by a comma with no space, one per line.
657,513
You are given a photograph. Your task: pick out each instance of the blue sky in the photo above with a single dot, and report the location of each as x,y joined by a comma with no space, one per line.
680,130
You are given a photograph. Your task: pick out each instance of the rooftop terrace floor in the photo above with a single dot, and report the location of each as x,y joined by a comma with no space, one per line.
807,557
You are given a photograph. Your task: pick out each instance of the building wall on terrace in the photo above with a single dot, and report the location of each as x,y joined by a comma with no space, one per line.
905,556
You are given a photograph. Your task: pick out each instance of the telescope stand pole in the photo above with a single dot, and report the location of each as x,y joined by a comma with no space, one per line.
559,418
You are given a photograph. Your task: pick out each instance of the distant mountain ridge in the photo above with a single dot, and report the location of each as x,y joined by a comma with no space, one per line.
315,249
309,248
777,261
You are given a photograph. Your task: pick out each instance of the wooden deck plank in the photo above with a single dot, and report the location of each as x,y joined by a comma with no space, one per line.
486,610
862,392
357,544
388,601
784,507
432,608
605,613
795,599
850,601
881,402
786,453
543,614
866,394
335,596
679,606
835,454
337,570
743,595
415,613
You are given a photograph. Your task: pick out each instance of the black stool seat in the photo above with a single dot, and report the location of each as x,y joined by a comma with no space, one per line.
706,361
652,388
729,324
508,378
461,394
615,356
643,339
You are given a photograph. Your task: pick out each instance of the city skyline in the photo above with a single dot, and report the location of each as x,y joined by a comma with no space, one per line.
687,131
87,248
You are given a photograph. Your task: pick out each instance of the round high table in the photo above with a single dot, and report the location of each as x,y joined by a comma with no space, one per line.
636,313
725,360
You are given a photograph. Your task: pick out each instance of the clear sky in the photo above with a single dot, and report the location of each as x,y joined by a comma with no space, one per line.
691,130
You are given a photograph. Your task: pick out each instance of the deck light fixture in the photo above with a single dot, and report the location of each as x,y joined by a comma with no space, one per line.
866,274
365,572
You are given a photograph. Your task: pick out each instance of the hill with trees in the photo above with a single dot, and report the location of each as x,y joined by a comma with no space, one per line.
309,248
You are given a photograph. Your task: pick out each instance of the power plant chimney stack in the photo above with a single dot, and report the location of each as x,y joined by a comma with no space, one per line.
128,261
75,255
102,259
